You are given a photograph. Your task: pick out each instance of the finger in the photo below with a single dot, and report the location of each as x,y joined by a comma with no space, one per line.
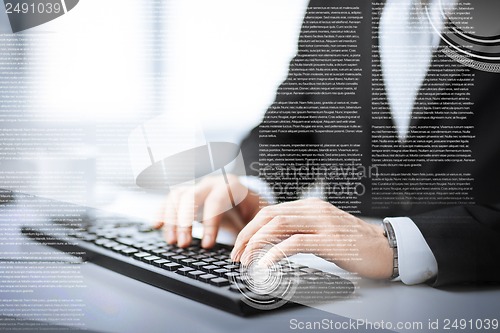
188,207
264,216
160,217
185,217
158,224
216,204
277,230
233,220
298,243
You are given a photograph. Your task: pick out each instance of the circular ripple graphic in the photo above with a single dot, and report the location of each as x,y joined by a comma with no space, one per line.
470,32
266,285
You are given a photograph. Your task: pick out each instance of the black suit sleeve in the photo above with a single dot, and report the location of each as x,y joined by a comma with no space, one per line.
465,241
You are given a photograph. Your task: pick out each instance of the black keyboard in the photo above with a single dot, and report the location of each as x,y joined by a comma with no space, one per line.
207,276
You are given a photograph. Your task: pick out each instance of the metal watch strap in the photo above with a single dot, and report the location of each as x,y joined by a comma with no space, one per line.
391,238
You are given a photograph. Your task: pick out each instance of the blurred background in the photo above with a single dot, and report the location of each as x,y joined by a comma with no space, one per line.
72,90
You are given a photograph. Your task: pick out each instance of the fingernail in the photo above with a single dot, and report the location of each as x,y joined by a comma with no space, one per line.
158,225
235,256
207,240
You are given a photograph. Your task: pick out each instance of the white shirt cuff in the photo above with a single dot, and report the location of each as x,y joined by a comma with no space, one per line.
257,185
417,263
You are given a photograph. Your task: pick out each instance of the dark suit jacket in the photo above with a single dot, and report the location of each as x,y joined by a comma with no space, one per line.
465,239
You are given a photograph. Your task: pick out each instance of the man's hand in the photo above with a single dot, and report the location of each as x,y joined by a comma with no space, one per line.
315,226
214,195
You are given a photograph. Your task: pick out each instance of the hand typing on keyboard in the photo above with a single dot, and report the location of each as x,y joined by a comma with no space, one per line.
302,226
182,206
318,227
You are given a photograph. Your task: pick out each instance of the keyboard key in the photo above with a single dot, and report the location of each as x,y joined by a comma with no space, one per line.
172,266
101,241
220,263
232,267
129,251
220,271
199,264
141,255
126,241
209,260
160,262
206,277
232,275
150,259
89,238
210,268
145,228
219,282
119,247
167,255
111,244
139,245
199,257
159,251
195,274
178,258
184,270
149,247
187,262
310,270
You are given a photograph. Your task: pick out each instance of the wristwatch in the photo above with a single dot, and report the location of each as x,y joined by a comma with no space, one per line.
391,238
